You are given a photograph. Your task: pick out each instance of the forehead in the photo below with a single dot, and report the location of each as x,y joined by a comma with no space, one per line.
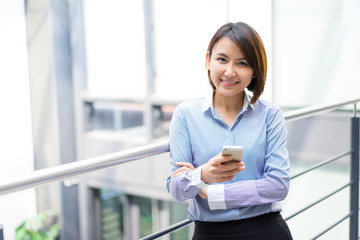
226,46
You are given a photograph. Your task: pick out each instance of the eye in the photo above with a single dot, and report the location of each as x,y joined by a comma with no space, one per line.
243,63
221,59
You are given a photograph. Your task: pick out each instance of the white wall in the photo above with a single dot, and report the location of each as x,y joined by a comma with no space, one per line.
16,145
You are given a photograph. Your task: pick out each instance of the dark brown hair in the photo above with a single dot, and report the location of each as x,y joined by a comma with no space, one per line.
250,43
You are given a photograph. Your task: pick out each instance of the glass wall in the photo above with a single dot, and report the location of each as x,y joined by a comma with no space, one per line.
115,47
315,51
114,217
178,212
16,142
312,55
181,31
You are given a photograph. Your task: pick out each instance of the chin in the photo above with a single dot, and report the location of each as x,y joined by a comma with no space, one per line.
227,93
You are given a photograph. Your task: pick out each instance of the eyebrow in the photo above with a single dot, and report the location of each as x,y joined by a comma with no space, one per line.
224,55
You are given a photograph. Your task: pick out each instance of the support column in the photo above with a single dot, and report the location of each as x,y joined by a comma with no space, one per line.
149,118
354,191
1,232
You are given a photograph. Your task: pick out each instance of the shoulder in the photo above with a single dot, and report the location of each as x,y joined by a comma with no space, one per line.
192,106
186,111
265,105
270,109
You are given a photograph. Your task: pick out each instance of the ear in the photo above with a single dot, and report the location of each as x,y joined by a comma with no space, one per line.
207,60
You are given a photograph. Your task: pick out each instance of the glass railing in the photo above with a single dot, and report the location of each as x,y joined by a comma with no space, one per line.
77,169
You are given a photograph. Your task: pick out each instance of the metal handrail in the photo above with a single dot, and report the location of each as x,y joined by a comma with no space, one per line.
318,201
323,163
173,227
186,222
69,170
66,171
332,226
317,110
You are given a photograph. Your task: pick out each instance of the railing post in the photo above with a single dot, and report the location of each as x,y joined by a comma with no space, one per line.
354,191
1,232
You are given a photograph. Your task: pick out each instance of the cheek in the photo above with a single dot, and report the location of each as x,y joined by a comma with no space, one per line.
216,71
213,74
247,75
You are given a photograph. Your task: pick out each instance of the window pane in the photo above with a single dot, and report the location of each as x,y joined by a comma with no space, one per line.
115,47
145,205
178,212
316,46
182,31
112,226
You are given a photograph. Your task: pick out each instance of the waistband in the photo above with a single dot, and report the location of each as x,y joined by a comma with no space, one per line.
236,226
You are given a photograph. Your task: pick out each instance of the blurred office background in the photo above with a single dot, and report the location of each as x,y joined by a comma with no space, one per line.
83,78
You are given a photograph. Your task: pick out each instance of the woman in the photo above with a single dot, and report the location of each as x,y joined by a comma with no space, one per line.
238,200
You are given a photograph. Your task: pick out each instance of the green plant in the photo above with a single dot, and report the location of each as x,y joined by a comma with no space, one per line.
42,227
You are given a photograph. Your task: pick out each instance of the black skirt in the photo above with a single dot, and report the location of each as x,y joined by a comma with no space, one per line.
268,226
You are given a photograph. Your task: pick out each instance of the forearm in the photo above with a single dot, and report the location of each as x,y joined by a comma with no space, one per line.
186,185
247,193
261,191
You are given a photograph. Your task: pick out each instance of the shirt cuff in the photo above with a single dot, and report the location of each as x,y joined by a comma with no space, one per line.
196,178
216,196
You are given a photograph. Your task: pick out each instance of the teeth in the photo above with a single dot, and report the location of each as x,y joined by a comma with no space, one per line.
229,82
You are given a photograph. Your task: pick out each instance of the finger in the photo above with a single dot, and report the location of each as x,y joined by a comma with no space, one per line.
179,172
203,193
175,175
189,165
233,171
218,159
226,179
230,165
242,168
182,169
181,163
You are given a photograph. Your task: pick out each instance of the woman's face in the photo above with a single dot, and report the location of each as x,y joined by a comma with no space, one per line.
229,69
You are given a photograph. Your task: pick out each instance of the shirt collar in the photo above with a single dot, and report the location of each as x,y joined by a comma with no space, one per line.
208,102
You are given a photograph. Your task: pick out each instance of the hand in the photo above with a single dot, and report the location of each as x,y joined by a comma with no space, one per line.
185,167
203,193
216,172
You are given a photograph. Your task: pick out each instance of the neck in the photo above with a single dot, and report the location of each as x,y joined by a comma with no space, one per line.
229,103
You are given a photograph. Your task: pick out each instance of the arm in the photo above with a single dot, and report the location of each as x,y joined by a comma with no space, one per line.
211,172
187,167
273,184
186,184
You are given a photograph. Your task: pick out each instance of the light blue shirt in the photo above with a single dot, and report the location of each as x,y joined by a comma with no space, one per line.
197,133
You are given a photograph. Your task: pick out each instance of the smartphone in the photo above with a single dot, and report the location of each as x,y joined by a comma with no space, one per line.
235,151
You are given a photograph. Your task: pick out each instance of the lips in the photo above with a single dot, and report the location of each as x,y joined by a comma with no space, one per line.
229,83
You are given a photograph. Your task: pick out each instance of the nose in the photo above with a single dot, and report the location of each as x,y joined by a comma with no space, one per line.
229,72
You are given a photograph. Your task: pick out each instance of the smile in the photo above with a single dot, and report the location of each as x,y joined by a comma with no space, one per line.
228,82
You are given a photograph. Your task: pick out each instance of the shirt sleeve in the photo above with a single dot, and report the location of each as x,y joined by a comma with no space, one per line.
186,185
271,187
